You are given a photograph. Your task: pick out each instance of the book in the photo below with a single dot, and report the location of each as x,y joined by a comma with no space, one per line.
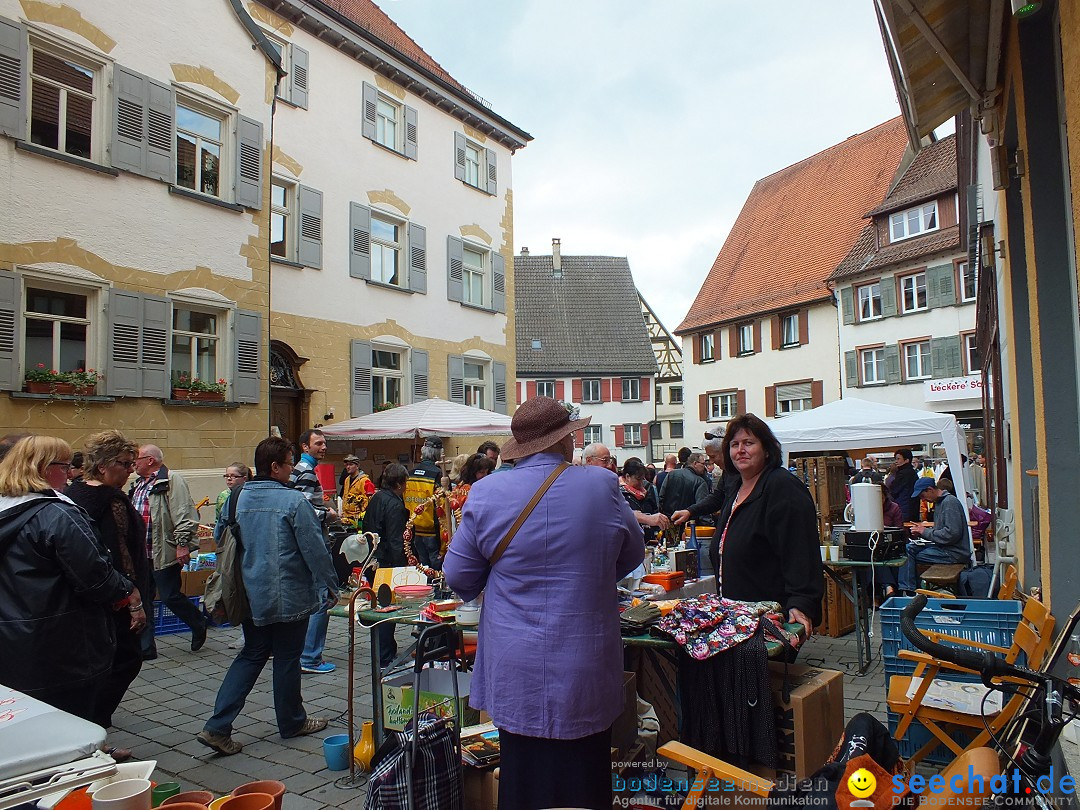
480,745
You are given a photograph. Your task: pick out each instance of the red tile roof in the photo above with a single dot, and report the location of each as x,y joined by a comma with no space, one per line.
931,173
795,228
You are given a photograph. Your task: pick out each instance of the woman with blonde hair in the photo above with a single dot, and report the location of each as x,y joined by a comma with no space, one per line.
109,462
57,585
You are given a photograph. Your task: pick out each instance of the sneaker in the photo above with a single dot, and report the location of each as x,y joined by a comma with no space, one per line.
222,743
311,726
318,669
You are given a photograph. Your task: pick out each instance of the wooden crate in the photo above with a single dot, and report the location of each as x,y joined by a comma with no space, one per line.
826,478
837,612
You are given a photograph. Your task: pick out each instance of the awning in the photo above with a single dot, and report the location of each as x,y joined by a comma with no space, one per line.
943,55
429,417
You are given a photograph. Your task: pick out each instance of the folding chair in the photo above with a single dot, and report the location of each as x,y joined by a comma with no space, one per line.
1033,637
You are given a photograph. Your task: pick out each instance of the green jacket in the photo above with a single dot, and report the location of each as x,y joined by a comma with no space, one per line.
173,519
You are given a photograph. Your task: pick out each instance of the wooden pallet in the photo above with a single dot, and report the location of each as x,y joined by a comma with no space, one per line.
837,612
826,478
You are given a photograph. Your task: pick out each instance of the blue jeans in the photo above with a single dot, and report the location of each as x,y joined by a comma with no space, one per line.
928,555
284,641
315,641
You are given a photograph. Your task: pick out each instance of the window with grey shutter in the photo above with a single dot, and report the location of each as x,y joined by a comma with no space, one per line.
940,286
249,149
847,304
421,389
154,348
138,360
459,156
417,258
248,335
298,77
454,269
492,171
370,111
892,364
851,369
946,357
888,297
498,282
10,298
498,375
359,240
12,79
456,376
310,208
360,383
411,133
143,139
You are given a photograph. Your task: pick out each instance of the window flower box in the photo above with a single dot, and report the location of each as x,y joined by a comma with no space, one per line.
39,387
198,396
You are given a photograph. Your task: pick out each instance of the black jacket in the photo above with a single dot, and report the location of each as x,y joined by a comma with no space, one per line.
57,586
386,516
771,550
900,485
682,489
648,505
119,527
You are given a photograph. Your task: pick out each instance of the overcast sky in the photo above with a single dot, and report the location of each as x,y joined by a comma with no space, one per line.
653,118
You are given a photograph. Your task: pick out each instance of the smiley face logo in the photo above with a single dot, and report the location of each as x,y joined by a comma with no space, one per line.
862,783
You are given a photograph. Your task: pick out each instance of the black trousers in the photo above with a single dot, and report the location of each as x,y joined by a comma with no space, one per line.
536,773
127,661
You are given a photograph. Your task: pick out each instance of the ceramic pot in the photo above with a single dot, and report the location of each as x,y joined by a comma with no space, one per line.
365,746
267,786
249,801
203,797
127,794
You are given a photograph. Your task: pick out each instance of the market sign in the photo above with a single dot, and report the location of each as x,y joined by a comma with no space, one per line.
953,388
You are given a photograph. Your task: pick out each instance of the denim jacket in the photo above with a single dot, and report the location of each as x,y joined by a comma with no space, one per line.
286,566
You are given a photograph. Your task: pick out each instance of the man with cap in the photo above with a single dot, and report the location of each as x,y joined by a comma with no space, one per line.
549,666
356,491
419,487
946,542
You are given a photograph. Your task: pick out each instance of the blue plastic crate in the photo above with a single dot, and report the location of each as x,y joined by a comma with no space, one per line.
166,622
918,735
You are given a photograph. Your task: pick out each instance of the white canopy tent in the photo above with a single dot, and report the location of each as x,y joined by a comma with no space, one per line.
429,417
850,423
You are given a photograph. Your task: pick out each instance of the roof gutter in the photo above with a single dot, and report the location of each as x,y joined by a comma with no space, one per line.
258,37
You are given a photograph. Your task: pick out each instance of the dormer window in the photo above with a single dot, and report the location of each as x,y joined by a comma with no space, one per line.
914,221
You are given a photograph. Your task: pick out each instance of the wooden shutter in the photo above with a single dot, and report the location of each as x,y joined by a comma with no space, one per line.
161,132
298,79
703,407
411,133
888,297
579,438
605,389
154,349
498,282
717,335
421,388
359,241
360,382
740,401
371,108
530,389
847,304
733,340
575,390
817,393
498,374
770,400
757,337
776,323
560,390
248,336
456,377
946,357
804,326
940,286
310,204
459,156
620,435
520,397
851,369
10,298
492,171
417,258
454,269
695,343
13,80
130,103
646,394
892,363
122,377
249,148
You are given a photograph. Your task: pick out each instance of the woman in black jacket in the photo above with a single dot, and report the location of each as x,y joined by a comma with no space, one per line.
386,516
766,546
642,499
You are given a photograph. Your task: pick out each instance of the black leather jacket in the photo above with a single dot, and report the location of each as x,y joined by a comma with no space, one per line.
57,586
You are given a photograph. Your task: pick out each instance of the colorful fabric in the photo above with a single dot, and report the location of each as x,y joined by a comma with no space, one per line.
140,499
708,624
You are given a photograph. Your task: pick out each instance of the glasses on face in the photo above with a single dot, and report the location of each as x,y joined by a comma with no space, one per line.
230,476
65,464
144,458
128,464
603,459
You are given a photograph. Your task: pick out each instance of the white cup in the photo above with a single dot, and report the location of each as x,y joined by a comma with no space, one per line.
127,794
824,553
834,553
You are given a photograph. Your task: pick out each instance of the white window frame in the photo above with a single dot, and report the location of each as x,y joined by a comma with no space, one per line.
290,214
962,272
868,296
789,330
284,49
93,308
226,165
632,435
61,49
708,347
877,357
587,387
971,354
389,129
675,396
401,374
545,388
221,338
473,277
631,389
593,434
786,407
921,355
476,388
914,222
745,338
913,278
723,406
381,246
475,170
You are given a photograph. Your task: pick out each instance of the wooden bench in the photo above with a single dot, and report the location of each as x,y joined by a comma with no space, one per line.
943,576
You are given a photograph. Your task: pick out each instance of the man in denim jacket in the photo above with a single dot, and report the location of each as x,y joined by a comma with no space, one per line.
285,566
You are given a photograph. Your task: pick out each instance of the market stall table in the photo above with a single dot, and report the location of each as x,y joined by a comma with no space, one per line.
853,592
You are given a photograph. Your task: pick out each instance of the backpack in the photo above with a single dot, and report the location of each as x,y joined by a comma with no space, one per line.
226,597
420,486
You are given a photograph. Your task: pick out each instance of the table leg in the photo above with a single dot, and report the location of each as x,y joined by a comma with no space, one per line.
852,594
376,686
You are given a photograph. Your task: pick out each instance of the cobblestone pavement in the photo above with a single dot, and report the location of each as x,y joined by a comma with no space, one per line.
174,695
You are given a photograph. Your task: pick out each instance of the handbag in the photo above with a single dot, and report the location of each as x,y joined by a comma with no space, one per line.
226,597
544,487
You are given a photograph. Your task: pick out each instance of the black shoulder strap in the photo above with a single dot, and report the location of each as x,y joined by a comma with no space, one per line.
230,519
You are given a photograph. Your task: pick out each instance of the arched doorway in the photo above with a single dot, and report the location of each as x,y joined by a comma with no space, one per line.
288,397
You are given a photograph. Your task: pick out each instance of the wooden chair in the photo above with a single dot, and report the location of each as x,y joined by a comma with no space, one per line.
977,764
1009,587
1033,637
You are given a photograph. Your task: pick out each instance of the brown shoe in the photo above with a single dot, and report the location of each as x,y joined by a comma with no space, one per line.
311,726
222,743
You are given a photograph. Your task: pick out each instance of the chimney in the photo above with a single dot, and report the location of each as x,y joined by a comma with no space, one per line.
556,256
524,251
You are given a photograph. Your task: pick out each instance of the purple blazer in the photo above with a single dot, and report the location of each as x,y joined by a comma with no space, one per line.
549,657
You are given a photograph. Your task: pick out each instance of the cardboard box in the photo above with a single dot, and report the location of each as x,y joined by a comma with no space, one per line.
656,678
481,788
193,583
811,723
624,729
436,692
